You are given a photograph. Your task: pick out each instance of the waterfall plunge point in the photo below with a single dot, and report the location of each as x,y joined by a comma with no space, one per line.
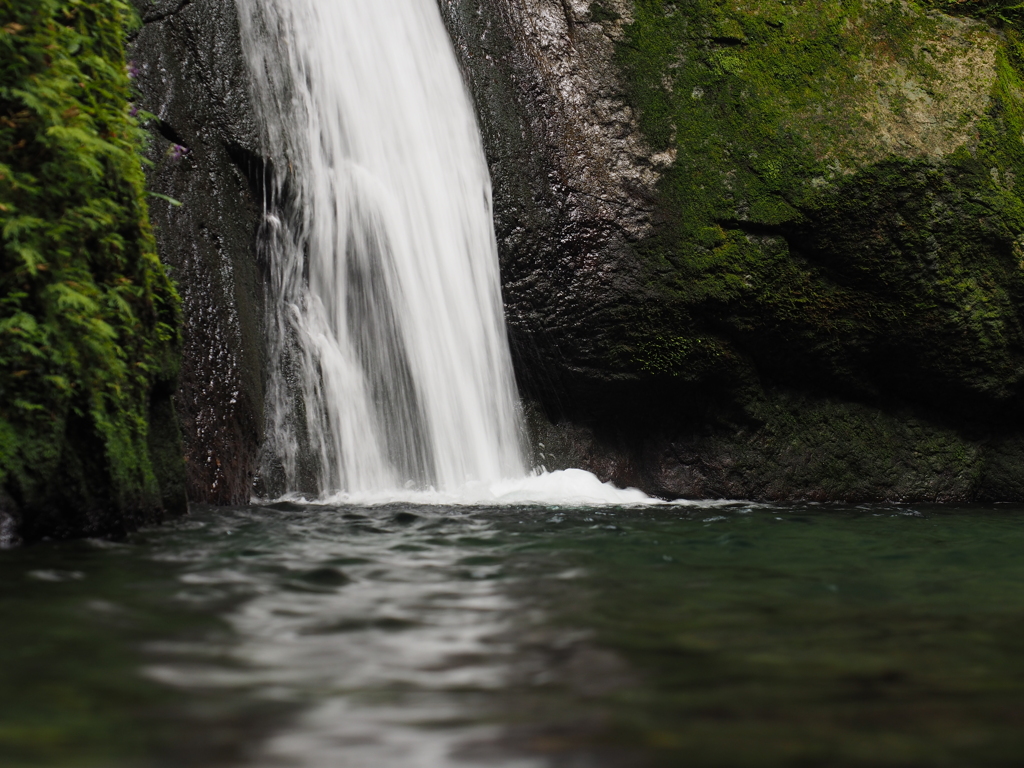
390,375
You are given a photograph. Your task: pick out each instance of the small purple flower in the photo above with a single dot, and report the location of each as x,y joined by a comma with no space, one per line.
133,71
133,110
177,151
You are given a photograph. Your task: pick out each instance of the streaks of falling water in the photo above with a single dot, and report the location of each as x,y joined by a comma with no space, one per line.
389,364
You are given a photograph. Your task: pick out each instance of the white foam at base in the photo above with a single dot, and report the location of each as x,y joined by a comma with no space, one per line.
561,488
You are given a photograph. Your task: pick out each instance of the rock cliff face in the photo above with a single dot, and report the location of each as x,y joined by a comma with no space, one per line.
575,181
760,249
205,156
750,248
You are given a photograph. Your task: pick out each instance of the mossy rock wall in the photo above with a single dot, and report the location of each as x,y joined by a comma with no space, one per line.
89,322
821,297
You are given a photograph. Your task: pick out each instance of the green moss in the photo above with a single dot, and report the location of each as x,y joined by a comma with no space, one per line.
998,12
829,450
838,247
599,13
844,210
88,318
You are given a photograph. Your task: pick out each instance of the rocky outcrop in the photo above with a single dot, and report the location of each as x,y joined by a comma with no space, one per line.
205,158
575,180
767,250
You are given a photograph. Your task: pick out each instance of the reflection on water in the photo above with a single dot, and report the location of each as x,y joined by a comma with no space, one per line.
383,622
425,637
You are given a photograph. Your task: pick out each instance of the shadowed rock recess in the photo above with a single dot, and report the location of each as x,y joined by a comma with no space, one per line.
754,249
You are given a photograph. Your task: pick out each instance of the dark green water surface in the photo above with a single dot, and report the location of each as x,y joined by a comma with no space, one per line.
425,637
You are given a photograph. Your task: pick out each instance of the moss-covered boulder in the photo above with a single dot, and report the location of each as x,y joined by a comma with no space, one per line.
89,338
844,202
824,296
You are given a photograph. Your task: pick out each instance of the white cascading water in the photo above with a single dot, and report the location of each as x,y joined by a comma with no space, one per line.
389,363
390,375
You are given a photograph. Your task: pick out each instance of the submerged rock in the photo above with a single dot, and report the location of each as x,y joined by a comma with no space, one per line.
763,249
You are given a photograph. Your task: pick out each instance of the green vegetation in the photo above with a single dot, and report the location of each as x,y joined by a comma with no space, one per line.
838,245
599,13
844,207
89,337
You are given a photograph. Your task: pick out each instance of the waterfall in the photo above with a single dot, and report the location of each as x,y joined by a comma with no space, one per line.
388,360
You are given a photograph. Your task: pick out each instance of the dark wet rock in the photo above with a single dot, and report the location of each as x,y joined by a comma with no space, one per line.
205,155
769,251
574,182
